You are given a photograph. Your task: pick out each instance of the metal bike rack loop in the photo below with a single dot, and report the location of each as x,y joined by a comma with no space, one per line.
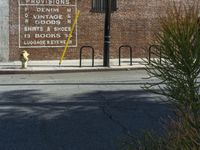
150,52
81,50
131,52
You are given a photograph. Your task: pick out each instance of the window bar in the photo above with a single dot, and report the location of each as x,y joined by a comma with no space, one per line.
104,6
99,6
93,4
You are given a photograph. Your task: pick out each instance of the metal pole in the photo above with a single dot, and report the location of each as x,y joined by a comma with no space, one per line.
106,59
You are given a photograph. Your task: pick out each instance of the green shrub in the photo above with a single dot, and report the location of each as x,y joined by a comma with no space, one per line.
178,41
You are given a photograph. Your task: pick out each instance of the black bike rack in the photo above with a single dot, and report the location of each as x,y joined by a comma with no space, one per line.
131,52
92,50
150,52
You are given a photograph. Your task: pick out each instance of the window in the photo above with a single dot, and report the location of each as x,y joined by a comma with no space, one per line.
99,6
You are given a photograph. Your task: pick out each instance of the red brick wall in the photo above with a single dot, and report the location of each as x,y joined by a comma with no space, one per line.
132,24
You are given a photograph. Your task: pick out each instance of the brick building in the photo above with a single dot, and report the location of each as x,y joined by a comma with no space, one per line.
42,26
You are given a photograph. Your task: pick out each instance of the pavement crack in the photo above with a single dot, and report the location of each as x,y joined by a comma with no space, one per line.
107,112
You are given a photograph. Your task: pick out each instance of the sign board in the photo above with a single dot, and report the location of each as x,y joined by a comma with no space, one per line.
46,23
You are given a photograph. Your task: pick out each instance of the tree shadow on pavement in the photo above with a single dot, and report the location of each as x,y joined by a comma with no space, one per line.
30,119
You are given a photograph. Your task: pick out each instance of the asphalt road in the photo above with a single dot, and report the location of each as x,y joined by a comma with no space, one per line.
76,111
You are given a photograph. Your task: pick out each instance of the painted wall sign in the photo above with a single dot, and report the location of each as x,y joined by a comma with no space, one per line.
46,23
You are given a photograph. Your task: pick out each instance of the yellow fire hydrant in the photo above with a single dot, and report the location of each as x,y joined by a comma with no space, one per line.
24,59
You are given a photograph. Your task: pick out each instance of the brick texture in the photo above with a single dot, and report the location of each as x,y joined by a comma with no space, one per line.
132,24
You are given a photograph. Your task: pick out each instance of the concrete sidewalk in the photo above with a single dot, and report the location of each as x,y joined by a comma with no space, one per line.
52,66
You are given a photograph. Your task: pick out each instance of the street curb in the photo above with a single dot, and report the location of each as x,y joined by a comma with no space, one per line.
103,69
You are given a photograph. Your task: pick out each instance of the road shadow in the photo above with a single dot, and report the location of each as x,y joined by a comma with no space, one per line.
33,120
